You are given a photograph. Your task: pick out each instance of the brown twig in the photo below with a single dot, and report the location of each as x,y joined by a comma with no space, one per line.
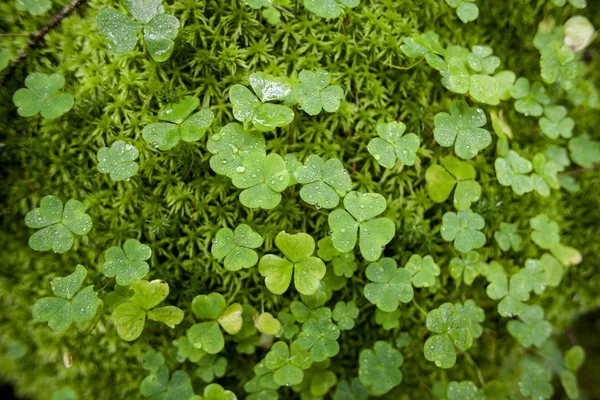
15,35
36,37
580,170
346,23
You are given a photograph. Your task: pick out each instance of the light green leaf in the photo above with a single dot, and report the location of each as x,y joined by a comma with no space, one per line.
144,10
507,237
464,229
379,369
206,336
389,285
120,31
392,144
118,160
130,320
231,146
423,270
237,248
323,182
545,231
277,271
34,7
42,96
467,12
168,315
585,152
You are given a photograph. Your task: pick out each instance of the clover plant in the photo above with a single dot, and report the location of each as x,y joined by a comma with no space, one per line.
379,369
464,229
118,160
34,7
237,247
423,270
186,351
42,96
269,12
389,284
157,385
287,363
530,98
426,45
532,329
465,390
508,237
329,8
555,122
388,320
584,151
467,266
215,313
324,182
314,92
319,336
211,366
392,145
231,146
512,171
466,10
442,179
535,378
127,264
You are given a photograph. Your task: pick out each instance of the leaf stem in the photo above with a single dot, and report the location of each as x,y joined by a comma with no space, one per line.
15,35
474,364
580,170
419,307
107,283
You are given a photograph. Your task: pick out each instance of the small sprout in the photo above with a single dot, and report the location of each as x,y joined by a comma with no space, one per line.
231,146
441,180
579,33
545,176
392,145
359,222
512,171
388,320
351,391
532,329
574,358
425,45
288,364
211,366
319,336
507,237
314,93
555,123
545,231
468,267
42,96
324,182
180,124
462,127
130,317
465,390
127,264
307,270
264,116
530,98
482,60
389,285
403,340
464,229
585,152
263,178
344,315
237,248
58,224
34,7
466,10
423,270
118,160
379,369
186,351
69,304
267,324
329,8
535,379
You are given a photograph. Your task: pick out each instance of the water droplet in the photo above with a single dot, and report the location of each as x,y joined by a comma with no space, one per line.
254,175
216,138
318,206
377,157
215,241
224,161
155,145
330,232
240,169
343,230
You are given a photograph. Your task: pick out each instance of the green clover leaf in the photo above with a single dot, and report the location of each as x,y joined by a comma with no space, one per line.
530,98
130,317
426,45
392,145
314,93
481,59
379,369
535,380
159,36
511,171
307,270
127,264
359,221
555,122
263,178
464,228
288,364
267,324
532,329
456,77
545,176
6,57
423,270
231,146
496,275
211,366
545,231
319,337
42,96
289,329
585,152
506,80
388,320
237,247
468,267
466,10
152,360
574,358
262,386
69,304
441,180
351,391
507,237
214,391
58,224
120,31
462,127
118,160
344,265
34,7
329,8
323,182
465,390
181,124
327,250
158,386
470,310
344,315
389,285
187,351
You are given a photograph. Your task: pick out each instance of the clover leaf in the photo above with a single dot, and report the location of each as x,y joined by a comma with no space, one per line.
314,93
387,320
211,366
530,98
389,284
263,178
267,324
289,329
555,123
392,145
344,315
152,360
264,116
307,270
118,160
127,264
324,182
130,317
481,59
579,32
457,79
425,45
329,8
465,390
213,309
180,124
532,329
359,221
351,391
34,7
237,247
545,231
462,127
58,224
474,313
231,146
379,369
441,180
214,391
319,337
69,304
496,275
287,363
466,10
122,32
464,228
6,57
157,385
42,96
535,380
584,151
468,267
507,237
574,358
344,265
545,176
185,350
511,171
423,270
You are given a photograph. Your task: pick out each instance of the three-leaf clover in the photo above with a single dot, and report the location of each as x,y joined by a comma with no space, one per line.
481,59
511,171
42,96
584,151
474,313
33,7
351,391
314,93
319,336
118,160
158,386
130,317
237,247
127,264
545,176
389,284
266,323
214,391
387,320
58,224
186,351
507,237
122,32
306,269
344,315
264,116
555,122
69,304
423,270
533,329
263,178
211,366
425,45
214,310
530,98
392,145
379,369
464,228
545,231
329,8
288,363
231,146
535,380
457,79
465,390
179,125
358,220
324,182
466,10
441,179
462,127
468,266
